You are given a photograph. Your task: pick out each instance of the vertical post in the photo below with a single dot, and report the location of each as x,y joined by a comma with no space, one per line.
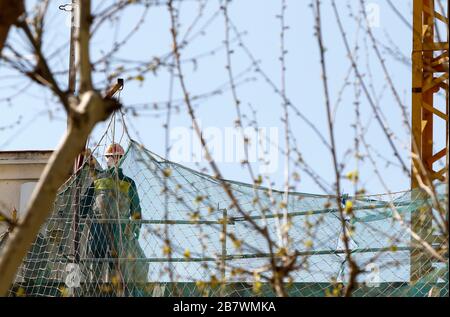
71,89
224,248
72,46
79,160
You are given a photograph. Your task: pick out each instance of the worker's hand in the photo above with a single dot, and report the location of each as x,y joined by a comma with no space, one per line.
136,231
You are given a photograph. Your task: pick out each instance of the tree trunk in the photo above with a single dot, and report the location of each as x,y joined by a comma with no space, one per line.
10,11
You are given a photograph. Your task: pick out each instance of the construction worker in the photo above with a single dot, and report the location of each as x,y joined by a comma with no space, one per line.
113,196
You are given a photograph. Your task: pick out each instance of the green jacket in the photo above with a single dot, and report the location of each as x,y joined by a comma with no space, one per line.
112,196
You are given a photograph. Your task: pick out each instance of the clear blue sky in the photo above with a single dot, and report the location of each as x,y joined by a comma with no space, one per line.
42,121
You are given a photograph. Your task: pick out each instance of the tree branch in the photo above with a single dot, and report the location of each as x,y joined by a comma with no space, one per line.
42,73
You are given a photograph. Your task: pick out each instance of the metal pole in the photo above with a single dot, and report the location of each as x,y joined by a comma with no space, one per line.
72,47
224,249
71,90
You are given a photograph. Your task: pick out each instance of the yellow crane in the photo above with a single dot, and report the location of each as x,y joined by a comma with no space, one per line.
429,76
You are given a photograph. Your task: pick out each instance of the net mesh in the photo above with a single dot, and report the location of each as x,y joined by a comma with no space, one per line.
157,228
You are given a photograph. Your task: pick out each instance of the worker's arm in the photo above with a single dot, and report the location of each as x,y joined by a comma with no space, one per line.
135,208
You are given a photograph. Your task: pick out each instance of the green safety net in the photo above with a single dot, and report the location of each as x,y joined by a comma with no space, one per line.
183,238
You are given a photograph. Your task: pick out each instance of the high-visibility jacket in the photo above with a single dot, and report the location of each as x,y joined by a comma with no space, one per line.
111,196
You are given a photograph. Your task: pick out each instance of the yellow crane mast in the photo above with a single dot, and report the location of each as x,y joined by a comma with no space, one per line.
429,77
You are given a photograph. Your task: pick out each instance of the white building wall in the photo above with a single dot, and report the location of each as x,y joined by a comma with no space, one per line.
16,169
19,173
